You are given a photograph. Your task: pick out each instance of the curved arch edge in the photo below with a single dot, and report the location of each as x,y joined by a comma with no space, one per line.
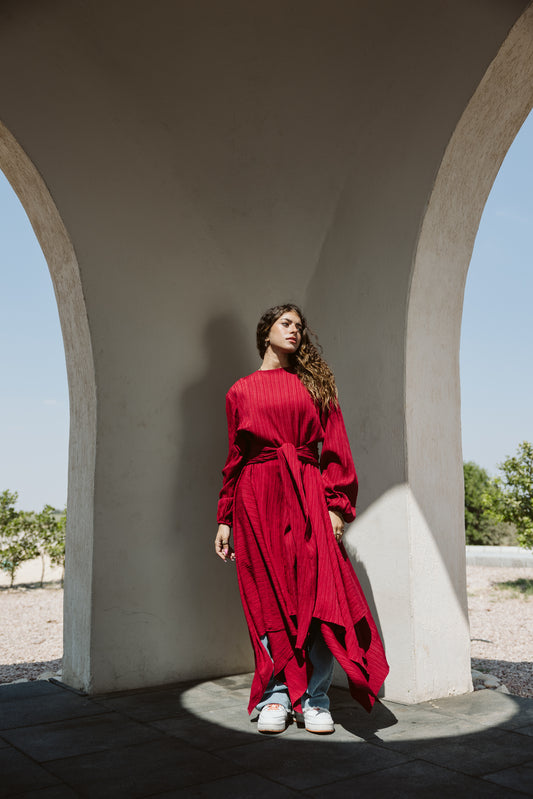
65,274
467,172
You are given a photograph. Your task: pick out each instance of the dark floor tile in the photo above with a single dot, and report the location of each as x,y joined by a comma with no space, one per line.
316,760
528,730
520,778
55,792
217,729
148,706
476,754
413,780
18,774
205,745
79,736
242,786
140,770
28,690
45,708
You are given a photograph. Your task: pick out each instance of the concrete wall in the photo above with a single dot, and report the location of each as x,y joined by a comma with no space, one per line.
208,160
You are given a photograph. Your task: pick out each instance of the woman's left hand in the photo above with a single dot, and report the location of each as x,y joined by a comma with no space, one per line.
337,522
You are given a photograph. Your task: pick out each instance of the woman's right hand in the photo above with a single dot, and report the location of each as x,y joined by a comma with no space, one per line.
222,545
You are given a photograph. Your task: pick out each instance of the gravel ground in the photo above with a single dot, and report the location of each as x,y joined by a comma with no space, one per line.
31,632
501,625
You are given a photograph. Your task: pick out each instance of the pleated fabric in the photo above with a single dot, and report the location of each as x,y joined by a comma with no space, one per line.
287,465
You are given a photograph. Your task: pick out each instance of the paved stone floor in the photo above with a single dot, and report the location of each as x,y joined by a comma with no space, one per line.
196,740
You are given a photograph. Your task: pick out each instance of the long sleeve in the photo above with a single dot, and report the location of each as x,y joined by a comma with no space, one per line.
337,467
232,468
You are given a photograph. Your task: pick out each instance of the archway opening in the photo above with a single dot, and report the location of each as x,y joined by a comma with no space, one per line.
496,387
34,422
497,327
65,275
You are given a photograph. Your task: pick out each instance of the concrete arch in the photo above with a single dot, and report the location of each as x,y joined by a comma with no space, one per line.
61,259
268,152
469,167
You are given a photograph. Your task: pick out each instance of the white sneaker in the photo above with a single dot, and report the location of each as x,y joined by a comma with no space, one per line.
273,718
318,720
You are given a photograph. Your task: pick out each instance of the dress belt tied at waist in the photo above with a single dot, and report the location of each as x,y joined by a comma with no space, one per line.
290,459
307,453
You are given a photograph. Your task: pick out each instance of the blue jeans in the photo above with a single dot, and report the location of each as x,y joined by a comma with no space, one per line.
317,690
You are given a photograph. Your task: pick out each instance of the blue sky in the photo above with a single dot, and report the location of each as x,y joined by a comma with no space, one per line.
34,404
496,341
497,329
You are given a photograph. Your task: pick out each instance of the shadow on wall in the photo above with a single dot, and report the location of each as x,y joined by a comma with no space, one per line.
204,446
366,585
213,599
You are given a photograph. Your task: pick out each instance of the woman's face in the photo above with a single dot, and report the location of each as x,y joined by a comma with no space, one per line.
286,333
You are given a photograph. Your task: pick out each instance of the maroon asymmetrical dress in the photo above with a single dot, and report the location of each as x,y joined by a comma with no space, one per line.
277,490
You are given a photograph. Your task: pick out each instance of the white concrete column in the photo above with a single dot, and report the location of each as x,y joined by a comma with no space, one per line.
436,552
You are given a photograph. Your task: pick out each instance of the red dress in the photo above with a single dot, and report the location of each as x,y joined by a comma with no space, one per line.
276,495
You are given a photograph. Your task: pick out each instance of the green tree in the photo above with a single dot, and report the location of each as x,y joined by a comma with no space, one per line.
17,535
49,531
514,499
8,513
481,525
52,526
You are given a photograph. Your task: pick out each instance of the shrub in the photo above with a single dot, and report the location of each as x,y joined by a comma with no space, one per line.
512,498
481,525
17,535
25,536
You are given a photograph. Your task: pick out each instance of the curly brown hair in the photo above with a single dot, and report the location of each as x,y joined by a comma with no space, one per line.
307,361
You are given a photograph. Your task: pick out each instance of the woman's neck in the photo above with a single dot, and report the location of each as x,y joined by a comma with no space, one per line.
274,360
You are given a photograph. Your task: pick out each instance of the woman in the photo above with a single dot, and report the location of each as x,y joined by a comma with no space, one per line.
287,507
